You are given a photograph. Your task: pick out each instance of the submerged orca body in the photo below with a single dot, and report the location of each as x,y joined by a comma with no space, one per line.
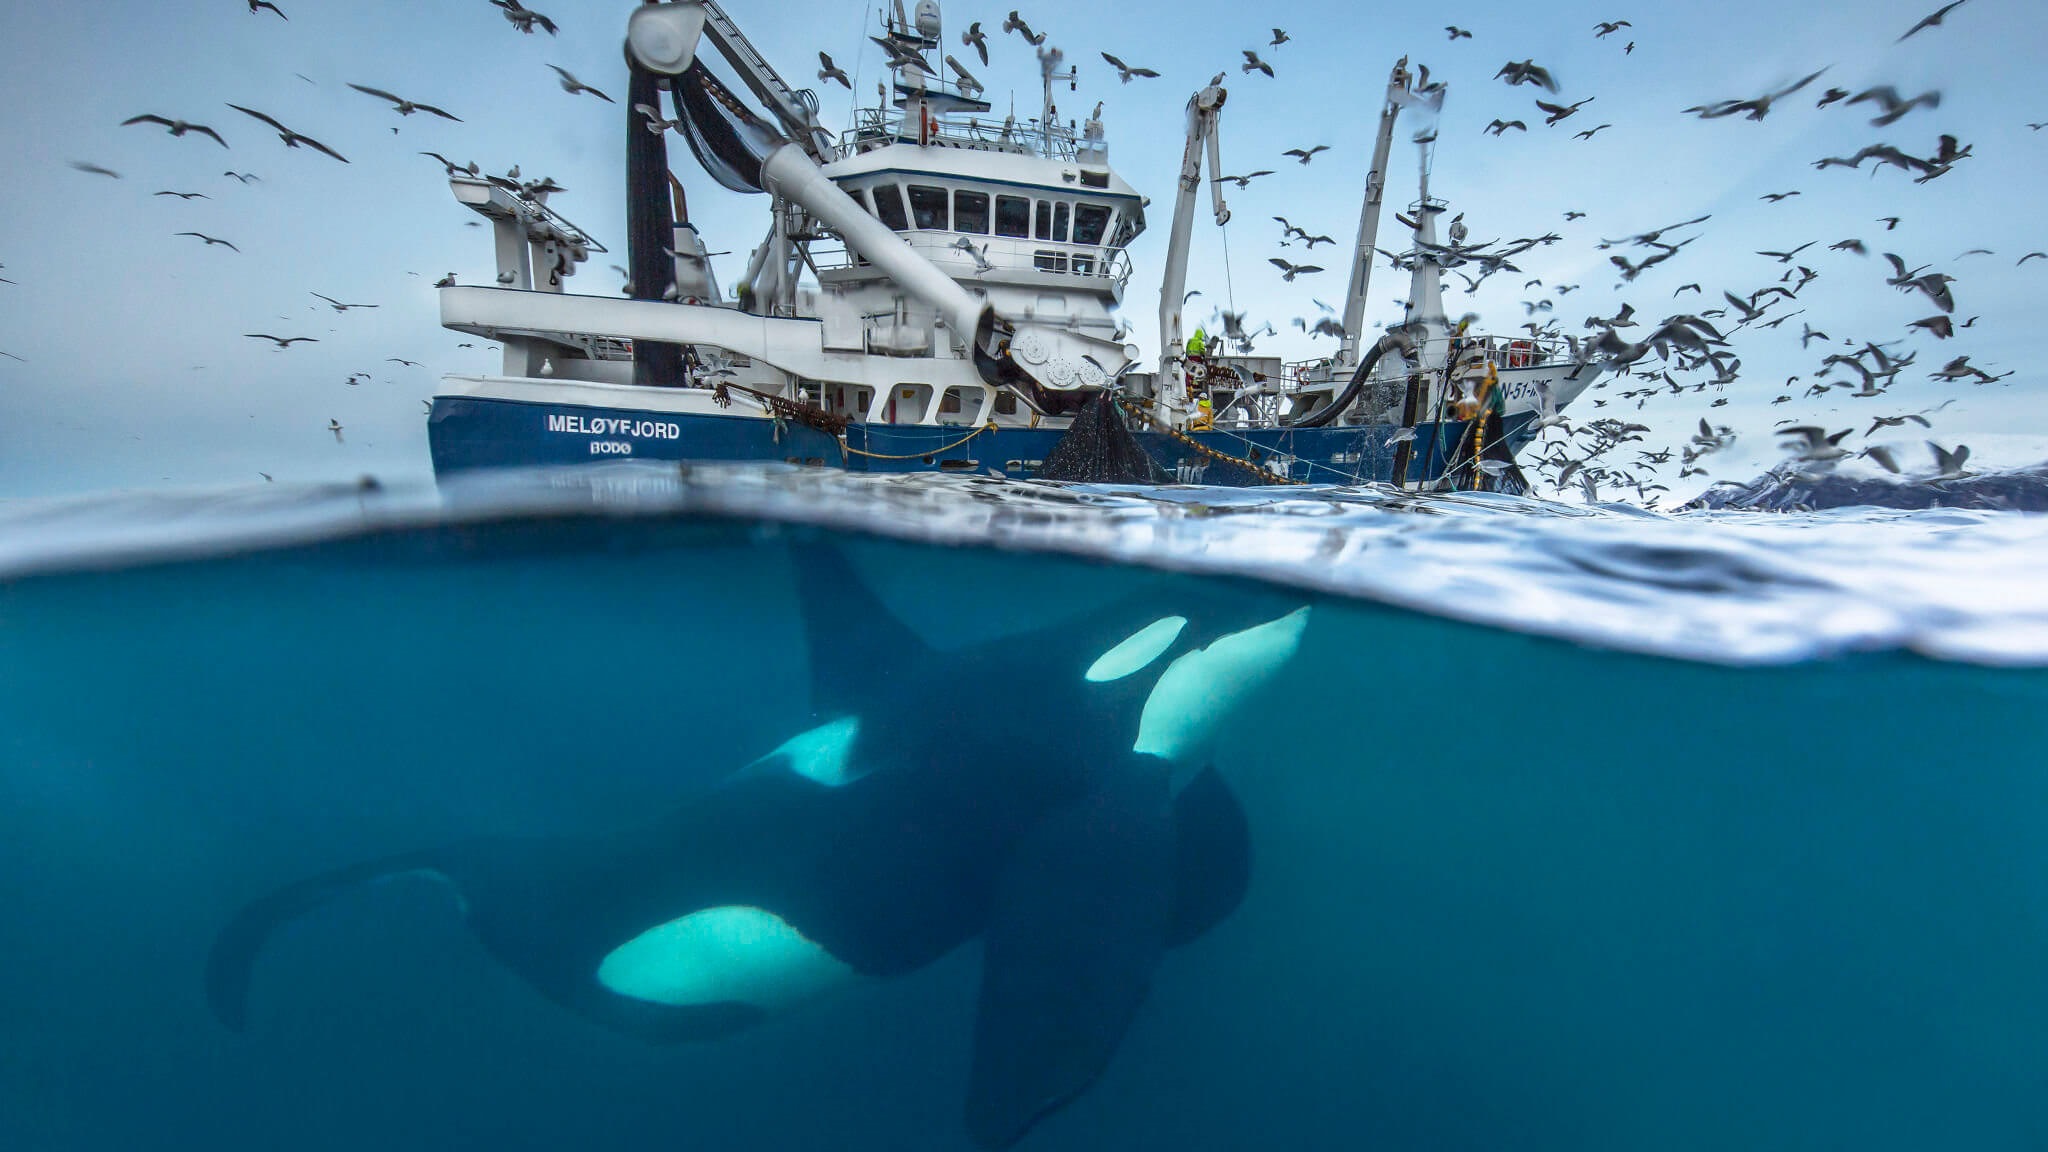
1047,793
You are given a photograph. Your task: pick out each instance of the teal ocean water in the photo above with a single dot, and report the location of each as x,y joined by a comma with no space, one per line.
1570,828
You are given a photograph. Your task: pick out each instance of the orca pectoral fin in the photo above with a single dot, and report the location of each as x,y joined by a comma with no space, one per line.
1074,935
1212,857
233,959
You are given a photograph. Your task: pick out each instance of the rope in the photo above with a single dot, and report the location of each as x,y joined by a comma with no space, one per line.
988,427
1263,473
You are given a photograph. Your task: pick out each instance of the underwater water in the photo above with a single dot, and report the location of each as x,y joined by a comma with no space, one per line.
1738,838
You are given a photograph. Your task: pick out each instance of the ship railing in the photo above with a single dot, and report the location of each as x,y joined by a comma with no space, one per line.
876,127
1088,263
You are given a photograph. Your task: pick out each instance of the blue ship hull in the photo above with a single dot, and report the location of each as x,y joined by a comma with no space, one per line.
467,433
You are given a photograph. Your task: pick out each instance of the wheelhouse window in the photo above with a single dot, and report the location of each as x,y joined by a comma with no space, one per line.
1013,217
1090,222
889,207
1052,221
860,197
970,212
928,207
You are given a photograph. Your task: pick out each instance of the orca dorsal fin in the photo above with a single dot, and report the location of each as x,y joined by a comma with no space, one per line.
851,634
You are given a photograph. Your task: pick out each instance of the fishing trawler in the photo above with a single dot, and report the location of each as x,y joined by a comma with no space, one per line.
938,290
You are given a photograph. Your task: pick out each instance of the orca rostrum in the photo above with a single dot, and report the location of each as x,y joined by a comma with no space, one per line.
1052,794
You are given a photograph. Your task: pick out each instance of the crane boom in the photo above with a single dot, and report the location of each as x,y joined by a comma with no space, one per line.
1204,109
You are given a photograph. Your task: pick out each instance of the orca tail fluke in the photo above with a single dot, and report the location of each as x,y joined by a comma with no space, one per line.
233,960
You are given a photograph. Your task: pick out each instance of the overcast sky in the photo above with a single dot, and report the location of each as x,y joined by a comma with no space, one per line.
133,371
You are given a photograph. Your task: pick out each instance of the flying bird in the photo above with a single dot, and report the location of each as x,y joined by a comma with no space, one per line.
1561,111
291,139
1527,72
1589,133
1457,33
334,426
1290,271
176,127
1498,127
1124,71
396,360
1280,37
827,70
1606,28
524,18
243,177
338,306
256,6
282,341
1245,181
403,106
976,39
95,169
184,195
1304,156
1774,197
1895,106
1252,63
2032,256
572,85
1757,107
1016,24
1933,21
211,240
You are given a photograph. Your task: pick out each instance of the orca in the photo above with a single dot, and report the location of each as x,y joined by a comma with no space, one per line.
1052,794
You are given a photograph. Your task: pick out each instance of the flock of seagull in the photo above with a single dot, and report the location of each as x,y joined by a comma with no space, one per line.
1685,353
523,19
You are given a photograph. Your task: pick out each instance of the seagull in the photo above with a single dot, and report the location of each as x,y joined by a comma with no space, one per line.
282,341
572,85
458,169
1589,133
256,6
1933,21
1560,111
1245,181
981,262
1820,444
827,70
1291,270
1527,72
291,139
1252,63
1280,37
1124,71
2032,256
1457,33
524,18
1774,197
1895,106
184,195
1016,24
338,306
243,177
1498,127
976,39
1786,257
1889,222
1949,465
12,356
396,360
211,240
403,106
447,281
1305,156
176,127
334,426
1941,326
1849,245
1757,106
1606,28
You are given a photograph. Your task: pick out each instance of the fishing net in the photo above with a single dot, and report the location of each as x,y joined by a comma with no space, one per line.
1098,449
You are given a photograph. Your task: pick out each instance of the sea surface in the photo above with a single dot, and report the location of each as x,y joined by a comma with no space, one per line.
1572,827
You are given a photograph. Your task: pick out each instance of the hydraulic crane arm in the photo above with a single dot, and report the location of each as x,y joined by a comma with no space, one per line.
1204,110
